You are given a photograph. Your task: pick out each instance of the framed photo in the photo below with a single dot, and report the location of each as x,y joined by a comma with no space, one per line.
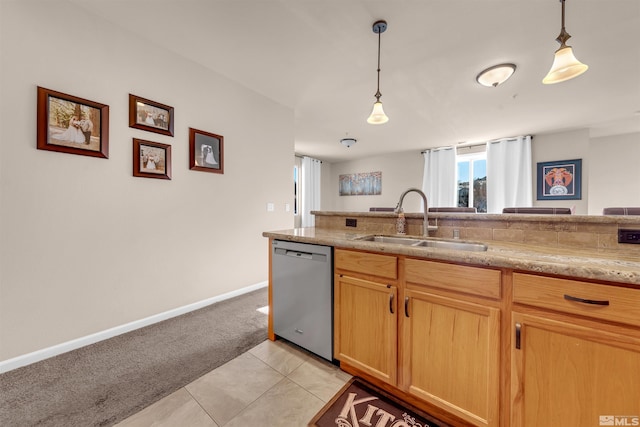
561,180
206,151
151,159
73,125
149,115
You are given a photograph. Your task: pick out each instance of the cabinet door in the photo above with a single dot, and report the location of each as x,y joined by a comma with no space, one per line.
366,326
451,353
565,374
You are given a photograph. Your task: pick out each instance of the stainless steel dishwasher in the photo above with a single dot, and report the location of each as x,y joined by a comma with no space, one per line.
302,295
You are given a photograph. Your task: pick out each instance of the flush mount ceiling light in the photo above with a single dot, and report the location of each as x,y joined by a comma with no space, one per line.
378,116
496,75
565,65
348,142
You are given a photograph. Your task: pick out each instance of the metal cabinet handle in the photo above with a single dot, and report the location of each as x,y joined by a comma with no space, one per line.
391,303
406,306
586,301
518,333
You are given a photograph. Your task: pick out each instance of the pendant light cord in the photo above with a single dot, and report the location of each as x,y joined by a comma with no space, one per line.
378,94
564,36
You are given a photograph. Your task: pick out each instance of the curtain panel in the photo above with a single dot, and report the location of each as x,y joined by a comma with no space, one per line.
439,177
509,174
310,194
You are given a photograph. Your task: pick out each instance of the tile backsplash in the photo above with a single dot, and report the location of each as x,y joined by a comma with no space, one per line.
570,231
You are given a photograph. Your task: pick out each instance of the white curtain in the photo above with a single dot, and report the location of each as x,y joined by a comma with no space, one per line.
310,186
509,177
439,177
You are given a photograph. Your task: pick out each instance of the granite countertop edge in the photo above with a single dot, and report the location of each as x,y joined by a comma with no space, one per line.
566,262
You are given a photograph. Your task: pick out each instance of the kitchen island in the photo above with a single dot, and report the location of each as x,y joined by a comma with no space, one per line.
522,334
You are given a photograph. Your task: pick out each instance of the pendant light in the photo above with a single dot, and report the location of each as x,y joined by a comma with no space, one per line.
565,65
378,116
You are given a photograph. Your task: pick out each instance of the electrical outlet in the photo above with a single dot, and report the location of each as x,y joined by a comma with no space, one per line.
351,222
629,236
270,207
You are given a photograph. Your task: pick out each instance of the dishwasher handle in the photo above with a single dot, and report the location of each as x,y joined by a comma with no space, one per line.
300,254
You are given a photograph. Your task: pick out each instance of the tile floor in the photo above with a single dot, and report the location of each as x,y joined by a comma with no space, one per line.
272,385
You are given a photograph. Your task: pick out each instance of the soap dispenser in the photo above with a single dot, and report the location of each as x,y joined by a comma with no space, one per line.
401,223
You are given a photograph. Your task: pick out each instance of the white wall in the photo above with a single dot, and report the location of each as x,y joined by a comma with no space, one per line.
562,146
399,172
610,176
328,190
614,175
85,246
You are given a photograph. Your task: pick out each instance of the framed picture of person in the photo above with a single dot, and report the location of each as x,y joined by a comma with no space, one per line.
150,115
151,159
73,125
206,151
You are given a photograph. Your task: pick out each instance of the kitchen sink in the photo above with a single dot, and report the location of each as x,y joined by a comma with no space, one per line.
390,239
455,245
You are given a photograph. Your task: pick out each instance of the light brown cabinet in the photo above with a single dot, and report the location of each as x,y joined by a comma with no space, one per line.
365,313
569,367
490,347
367,335
448,354
451,345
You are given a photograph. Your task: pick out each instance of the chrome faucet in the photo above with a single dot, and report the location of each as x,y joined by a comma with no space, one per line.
425,226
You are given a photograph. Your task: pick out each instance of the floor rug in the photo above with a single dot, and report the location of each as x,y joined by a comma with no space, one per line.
361,404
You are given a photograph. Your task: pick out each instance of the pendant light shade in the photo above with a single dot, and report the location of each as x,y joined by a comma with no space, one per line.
378,116
565,65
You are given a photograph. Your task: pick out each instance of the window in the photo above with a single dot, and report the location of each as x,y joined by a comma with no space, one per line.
472,174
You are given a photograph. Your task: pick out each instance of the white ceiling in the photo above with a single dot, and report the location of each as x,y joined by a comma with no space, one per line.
319,57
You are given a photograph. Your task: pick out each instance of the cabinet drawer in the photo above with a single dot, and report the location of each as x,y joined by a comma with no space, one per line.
366,263
606,302
460,278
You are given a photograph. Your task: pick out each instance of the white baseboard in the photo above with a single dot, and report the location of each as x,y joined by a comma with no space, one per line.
45,353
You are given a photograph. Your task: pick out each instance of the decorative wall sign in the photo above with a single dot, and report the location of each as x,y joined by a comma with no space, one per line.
561,180
360,184
151,116
151,159
69,124
206,151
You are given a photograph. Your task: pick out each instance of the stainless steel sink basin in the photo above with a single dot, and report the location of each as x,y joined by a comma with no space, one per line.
391,239
455,245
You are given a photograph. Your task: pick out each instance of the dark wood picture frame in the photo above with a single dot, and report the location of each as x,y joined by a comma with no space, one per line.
559,180
151,159
150,115
206,151
69,124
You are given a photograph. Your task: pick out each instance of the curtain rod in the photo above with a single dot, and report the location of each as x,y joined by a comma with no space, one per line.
473,144
300,157
436,149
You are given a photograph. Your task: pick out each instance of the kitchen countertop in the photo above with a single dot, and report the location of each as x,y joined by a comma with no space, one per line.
570,262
